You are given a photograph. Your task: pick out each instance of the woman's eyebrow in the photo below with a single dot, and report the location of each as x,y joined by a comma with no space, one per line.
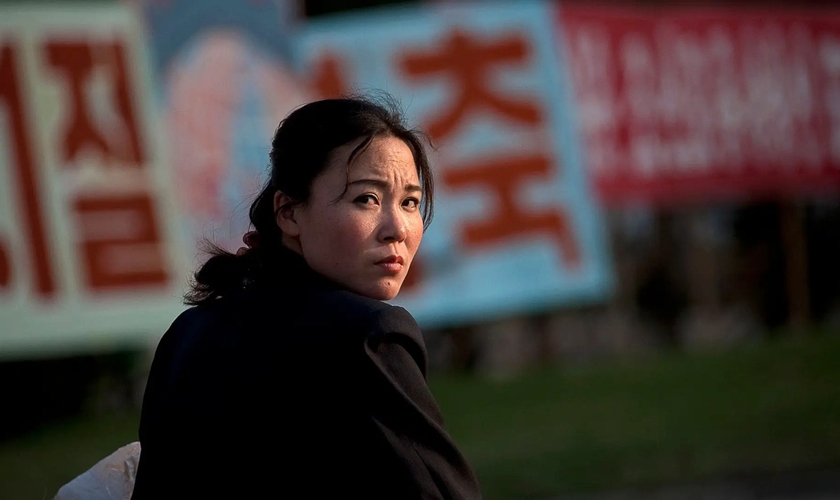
383,184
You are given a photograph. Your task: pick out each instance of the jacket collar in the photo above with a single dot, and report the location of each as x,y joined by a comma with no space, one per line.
287,269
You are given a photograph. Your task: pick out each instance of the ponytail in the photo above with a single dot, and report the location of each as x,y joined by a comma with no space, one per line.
220,275
225,272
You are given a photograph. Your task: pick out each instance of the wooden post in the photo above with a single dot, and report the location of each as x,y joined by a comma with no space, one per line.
702,262
796,265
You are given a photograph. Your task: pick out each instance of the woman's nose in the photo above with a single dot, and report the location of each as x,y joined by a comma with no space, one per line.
393,226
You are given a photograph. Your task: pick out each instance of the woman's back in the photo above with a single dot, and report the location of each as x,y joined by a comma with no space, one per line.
330,400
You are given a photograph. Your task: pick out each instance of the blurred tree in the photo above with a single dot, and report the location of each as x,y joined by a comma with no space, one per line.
762,261
823,234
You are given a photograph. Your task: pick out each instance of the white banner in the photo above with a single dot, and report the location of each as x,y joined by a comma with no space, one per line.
89,253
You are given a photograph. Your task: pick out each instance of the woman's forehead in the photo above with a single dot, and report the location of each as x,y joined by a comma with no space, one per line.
383,156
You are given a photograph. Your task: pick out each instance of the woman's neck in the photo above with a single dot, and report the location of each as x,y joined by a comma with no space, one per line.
292,244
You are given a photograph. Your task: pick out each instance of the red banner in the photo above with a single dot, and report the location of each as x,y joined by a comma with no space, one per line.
703,105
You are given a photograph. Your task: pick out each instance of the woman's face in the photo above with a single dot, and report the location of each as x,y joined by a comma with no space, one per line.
366,238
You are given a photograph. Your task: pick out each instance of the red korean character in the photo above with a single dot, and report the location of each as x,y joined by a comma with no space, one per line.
470,62
25,175
329,80
75,62
510,219
120,245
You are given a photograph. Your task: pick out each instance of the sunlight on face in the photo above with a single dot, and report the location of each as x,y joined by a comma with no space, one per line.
366,238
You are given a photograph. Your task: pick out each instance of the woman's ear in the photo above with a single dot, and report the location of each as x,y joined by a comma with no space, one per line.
284,214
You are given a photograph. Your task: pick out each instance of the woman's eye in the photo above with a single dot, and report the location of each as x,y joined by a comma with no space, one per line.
366,199
411,203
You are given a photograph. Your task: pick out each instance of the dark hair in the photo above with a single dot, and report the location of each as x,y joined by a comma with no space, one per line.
300,150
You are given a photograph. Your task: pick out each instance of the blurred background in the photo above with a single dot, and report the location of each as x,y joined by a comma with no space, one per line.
632,285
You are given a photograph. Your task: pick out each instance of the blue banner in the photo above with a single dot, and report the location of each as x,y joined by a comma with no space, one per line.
516,228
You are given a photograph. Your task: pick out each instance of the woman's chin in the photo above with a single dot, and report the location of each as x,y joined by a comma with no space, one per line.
380,291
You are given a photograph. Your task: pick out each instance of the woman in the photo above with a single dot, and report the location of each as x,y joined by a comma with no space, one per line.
290,377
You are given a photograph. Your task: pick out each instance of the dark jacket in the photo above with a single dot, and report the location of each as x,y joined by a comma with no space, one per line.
295,389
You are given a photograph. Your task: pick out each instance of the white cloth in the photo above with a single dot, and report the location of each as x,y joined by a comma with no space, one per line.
112,478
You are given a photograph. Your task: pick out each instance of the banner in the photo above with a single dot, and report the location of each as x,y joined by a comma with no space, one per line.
89,256
515,228
225,81
118,159
693,105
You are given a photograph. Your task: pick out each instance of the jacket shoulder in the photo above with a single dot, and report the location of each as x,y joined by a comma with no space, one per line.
370,316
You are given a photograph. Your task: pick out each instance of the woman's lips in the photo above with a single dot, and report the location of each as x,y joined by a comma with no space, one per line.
392,263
